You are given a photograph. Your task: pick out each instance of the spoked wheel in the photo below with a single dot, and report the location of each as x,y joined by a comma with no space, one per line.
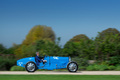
72,67
31,67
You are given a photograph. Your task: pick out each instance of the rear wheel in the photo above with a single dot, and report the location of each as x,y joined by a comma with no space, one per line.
72,67
31,67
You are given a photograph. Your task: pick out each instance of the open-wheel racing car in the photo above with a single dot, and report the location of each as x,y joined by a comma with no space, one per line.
53,62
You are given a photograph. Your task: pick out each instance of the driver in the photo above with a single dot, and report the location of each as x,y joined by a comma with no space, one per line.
38,60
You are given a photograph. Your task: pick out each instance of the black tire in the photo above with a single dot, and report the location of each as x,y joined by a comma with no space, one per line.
72,67
31,68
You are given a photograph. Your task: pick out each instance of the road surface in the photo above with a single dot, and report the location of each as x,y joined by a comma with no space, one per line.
62,73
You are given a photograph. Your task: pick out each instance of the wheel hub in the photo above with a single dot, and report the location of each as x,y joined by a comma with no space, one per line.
31,67
72,67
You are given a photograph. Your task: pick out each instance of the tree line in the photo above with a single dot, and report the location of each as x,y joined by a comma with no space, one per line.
104,47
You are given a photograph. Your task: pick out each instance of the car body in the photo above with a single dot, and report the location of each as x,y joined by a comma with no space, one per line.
53,62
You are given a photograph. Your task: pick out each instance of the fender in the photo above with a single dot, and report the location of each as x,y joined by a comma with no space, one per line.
70,62
31,61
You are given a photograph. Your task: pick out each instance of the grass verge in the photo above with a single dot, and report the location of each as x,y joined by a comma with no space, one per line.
59,77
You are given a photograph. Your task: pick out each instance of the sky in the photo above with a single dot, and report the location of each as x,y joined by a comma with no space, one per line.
67,18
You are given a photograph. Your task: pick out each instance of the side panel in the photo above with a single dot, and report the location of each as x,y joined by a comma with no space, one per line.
56,62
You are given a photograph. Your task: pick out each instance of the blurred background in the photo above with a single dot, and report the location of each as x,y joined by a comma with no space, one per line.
86,30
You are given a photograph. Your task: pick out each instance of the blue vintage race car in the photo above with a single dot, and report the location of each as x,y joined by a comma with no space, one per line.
53,62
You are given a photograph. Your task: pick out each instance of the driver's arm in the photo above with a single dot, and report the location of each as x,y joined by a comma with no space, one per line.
39,59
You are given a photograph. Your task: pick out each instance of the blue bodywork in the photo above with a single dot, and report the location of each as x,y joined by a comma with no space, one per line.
53,62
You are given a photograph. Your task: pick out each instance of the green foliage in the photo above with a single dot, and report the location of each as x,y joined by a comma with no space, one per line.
26,51
111,67
45,47
79,37
82,63
107,47
7,58
6,61
107,32
78,46
102,66
97,67
10,50
48,48
3,50
90,68
84,49
17,68
114,60
118,68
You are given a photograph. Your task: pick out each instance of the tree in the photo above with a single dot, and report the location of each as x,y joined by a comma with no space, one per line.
3,50
48,48
40,38
107,32
7,58
39,32
107,42
79,37
82,49
80,46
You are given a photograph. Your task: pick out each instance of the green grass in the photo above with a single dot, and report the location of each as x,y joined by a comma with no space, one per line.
59,77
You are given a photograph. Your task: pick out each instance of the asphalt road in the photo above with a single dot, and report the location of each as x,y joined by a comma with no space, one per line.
62,73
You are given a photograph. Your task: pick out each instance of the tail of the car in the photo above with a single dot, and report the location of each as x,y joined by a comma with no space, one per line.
22,62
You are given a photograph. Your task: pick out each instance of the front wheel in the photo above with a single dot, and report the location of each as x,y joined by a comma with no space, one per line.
31,67
72,67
